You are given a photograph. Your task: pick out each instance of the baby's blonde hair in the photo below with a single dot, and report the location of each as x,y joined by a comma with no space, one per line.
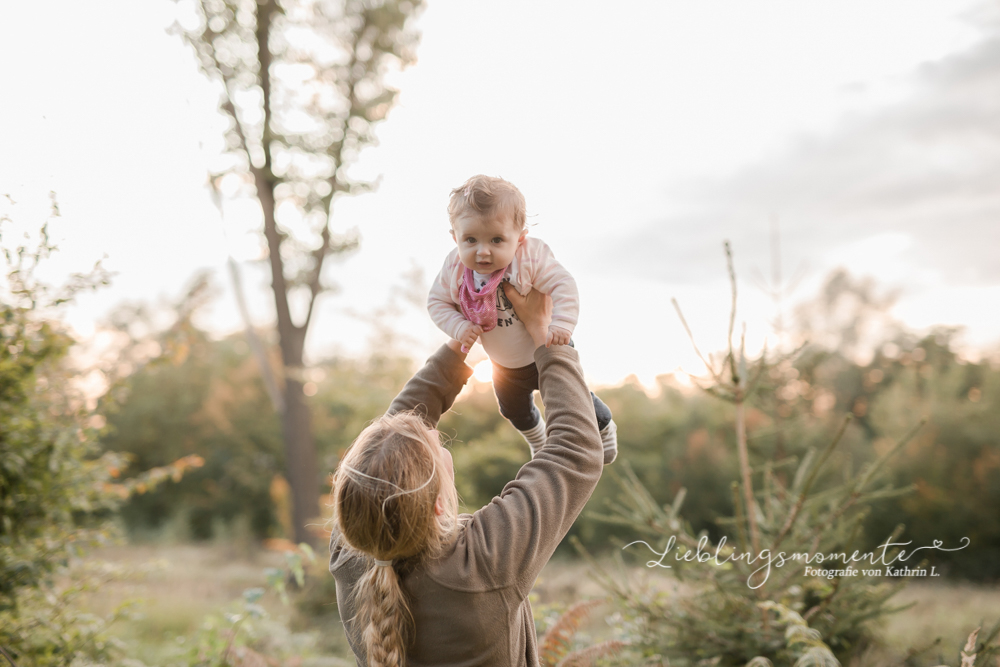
383,502
488,197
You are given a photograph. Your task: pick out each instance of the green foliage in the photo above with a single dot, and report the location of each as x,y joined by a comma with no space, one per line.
190,394
58,492
749,594
53,497
246,634
490,451
350,393
672,440
718,615
195,394
800,639
182,392
955,463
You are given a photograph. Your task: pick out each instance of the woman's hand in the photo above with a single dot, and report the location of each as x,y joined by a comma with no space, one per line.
534,310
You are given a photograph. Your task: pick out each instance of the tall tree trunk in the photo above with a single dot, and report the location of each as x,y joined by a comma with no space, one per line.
301,460
300,449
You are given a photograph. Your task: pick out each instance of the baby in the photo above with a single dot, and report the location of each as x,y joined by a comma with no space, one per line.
466,302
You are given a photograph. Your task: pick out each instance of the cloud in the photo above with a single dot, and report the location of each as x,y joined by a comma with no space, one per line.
927,167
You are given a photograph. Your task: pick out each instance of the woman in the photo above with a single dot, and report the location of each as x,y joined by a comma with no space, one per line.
418,585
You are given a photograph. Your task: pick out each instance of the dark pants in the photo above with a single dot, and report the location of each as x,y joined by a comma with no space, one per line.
515,389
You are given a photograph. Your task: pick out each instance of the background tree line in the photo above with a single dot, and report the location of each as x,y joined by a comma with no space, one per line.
198,395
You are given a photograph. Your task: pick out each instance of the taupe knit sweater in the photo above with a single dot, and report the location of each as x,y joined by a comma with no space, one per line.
470,605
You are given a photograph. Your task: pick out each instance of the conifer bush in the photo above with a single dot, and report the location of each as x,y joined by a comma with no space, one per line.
746,599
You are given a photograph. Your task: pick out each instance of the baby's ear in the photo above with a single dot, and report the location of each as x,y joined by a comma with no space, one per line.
524,235
452,232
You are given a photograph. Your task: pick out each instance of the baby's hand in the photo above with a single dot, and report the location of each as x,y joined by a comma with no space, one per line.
557,336
469,336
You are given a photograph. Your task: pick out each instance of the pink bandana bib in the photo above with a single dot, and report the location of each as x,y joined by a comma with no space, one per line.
480,307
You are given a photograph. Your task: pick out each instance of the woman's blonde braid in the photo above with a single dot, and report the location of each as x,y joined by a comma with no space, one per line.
384,616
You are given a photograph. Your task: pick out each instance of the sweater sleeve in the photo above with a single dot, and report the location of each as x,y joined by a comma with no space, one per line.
514,536
431,393
434,388
553,279
445,313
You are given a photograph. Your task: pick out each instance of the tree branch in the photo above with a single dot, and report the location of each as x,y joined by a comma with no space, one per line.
709,366
732,314
319,255
7,656
808,485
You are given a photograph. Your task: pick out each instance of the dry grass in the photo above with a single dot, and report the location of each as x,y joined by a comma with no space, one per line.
176,587
188,582
183,577
565,581
949,611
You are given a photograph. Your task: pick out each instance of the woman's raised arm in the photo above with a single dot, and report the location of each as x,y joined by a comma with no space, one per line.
433,389
516,534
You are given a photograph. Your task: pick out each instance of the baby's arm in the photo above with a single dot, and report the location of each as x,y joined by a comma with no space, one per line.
553,279
446,314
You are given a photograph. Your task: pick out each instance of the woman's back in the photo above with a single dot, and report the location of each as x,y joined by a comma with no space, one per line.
469,604
459,616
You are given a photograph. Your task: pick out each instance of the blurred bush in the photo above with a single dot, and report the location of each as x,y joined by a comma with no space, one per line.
58,492
178,391
182,393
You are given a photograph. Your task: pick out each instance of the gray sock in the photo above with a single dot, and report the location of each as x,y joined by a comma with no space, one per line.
535,437
609,437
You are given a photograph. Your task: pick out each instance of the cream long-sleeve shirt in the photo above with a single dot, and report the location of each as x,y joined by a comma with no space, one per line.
509,344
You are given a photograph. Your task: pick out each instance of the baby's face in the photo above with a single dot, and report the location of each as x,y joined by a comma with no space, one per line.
486,245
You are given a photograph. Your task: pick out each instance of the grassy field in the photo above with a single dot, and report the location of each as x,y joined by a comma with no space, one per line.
949,611
178,589
180,586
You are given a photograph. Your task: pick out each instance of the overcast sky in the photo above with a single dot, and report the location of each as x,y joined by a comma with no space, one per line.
642,134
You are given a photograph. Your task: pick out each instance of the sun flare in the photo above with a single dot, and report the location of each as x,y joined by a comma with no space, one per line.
483,371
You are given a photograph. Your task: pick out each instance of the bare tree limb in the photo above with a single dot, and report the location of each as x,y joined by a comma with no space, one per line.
7,656
710,367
